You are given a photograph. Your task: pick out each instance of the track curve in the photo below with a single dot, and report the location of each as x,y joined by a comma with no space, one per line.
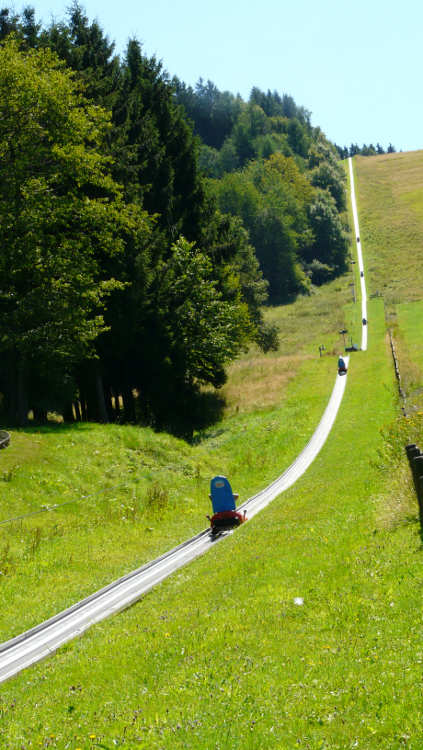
41,641
44,639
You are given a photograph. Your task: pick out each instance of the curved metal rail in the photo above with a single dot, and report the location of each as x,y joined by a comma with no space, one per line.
44,639
4,439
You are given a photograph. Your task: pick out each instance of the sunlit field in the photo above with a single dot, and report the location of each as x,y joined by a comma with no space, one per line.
390,205
300,630
303,628
126,494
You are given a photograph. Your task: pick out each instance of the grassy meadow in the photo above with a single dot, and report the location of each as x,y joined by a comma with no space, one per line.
390,204
302,629
389,193
222,656
126,494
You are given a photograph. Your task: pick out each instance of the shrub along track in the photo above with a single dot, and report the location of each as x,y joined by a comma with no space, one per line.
42,640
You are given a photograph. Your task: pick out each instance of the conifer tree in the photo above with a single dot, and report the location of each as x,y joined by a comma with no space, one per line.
61,219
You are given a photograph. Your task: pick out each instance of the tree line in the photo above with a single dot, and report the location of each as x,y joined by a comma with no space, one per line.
265,163
365,150
143,225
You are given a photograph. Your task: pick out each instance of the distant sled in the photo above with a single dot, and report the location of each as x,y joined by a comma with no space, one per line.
342,368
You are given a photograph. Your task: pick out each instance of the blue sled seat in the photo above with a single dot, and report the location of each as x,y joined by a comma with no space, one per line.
225,515
221,495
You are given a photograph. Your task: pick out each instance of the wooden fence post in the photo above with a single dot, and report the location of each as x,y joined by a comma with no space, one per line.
416,463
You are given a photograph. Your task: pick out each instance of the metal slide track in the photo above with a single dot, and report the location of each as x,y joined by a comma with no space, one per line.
41,641
360,259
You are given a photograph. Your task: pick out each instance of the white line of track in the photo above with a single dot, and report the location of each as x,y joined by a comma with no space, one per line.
42,640
307,455
360,259
39,642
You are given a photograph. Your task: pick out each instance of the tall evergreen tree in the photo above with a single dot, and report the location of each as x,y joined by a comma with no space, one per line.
61,218
159,153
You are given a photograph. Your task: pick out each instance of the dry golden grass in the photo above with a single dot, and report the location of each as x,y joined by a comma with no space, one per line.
260,381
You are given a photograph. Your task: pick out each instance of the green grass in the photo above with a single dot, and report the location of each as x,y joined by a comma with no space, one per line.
221,655
390,208
128,494
408,335
390,199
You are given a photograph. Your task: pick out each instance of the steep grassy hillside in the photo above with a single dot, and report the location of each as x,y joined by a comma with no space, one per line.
125,494
390,200
293,633
301,630
390,206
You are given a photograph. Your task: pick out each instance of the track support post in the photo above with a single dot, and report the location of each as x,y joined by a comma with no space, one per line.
415,459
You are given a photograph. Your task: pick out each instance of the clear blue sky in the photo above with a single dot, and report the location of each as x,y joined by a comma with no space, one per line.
356,66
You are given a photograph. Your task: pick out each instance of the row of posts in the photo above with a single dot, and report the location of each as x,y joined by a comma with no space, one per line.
415,458
398,375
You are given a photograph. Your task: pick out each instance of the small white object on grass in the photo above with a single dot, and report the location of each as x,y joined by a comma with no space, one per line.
299,601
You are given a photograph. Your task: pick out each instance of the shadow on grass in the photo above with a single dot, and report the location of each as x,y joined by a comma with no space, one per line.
187,419
52,428
206,435
203,410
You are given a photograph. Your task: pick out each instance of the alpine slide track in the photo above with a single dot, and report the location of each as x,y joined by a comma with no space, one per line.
41,641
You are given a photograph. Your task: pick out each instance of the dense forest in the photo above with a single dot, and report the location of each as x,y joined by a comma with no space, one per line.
144,224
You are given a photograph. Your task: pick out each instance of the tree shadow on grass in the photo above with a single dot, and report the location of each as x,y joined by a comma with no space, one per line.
53,428
186,418
202,410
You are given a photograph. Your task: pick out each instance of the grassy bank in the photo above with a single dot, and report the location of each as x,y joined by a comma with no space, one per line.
302,630
390,206
127,494
390,199
408,337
